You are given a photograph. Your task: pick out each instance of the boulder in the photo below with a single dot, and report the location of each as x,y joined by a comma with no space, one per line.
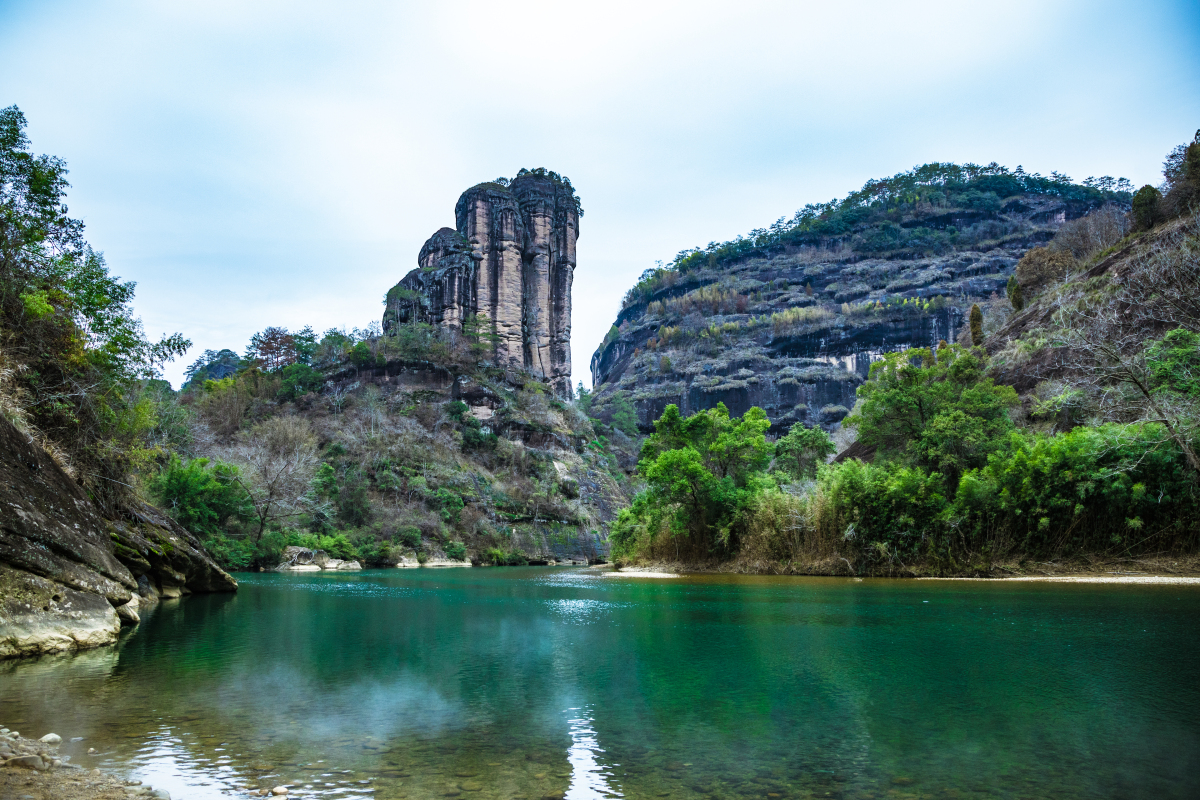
64,565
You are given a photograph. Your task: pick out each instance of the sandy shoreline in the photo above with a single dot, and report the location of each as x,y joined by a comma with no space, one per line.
1113,578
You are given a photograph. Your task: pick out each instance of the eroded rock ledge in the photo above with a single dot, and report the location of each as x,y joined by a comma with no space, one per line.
69,577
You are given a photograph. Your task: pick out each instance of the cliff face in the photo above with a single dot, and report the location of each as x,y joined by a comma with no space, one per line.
68,576
510,264
794,329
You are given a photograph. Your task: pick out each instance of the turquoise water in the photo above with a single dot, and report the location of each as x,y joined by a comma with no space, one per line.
549,682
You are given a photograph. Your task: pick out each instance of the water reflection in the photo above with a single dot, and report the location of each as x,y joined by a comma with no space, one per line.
544,683
589,778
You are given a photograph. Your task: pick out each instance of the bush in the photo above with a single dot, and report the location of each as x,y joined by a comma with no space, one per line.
409,536
201,495
298,379
498,557
1042,266
456,551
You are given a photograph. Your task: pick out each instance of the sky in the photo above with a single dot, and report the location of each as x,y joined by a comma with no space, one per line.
251,164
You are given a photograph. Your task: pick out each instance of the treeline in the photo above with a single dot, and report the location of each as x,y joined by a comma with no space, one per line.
950,484
952,473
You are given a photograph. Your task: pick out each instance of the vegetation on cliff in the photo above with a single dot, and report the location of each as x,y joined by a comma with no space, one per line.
382,449
789,317
1076,435
77,372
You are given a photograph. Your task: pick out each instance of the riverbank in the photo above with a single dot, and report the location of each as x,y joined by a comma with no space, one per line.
31,769
1152,569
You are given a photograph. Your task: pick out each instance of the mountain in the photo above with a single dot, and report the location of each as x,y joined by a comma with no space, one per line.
789,318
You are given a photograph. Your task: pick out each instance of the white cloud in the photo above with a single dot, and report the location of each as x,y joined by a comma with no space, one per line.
281,163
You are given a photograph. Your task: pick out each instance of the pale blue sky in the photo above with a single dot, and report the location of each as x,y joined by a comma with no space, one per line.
281,163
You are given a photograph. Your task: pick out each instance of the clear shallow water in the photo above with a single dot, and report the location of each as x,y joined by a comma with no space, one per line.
537,682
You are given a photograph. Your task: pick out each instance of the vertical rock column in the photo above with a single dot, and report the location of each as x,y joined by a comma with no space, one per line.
536,197
562,275
489,217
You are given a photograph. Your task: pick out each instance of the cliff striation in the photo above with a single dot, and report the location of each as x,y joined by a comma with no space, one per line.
790,318
505,271
69,578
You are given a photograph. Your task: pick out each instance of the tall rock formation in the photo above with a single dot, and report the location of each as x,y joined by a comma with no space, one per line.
510,264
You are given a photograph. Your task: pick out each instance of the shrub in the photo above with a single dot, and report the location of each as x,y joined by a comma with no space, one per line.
799,453
1041,266
201,495
456,551
409,536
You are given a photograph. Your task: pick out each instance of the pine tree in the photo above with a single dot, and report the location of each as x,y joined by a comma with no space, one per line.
976,325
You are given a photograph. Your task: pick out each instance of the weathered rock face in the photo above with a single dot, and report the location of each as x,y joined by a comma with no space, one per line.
510,264
794,331
65,569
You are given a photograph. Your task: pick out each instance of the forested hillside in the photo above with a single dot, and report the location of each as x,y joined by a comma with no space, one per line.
1063,431
383,449
789,317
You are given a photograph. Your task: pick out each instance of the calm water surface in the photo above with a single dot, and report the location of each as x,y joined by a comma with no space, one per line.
541,682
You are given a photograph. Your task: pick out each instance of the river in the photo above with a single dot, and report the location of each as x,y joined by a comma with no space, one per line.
489,684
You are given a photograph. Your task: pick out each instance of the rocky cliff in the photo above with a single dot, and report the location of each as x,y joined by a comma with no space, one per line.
69,577
790,318
506,268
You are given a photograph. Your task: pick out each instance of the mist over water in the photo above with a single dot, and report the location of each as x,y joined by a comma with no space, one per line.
537,682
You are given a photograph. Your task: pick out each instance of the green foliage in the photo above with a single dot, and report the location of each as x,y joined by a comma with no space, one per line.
1146,208
800,452
409,536
1174,363
1015,295
499,557
201,495
701,473
298,379
456,551
976,325
337,545
938,412
870,215
67,325
361,356
624,415
448,503
584,399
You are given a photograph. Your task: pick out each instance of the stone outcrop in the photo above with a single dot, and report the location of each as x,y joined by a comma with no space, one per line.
724,335
509,263
69,576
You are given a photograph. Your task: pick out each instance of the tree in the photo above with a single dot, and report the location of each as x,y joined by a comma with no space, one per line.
802,450
938,412
1145,208
276,462
273,348
976,325
67,325
1015,295
702,472
200,495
